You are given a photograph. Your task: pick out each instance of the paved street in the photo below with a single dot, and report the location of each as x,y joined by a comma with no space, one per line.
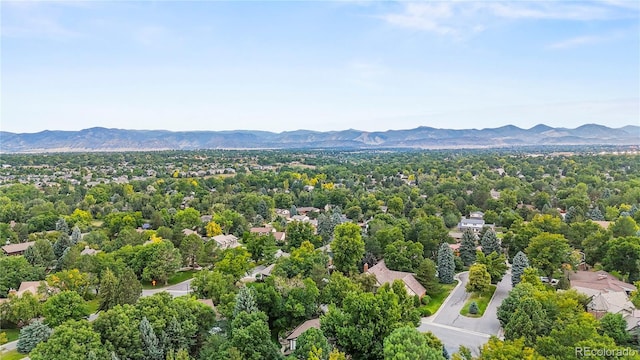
454,329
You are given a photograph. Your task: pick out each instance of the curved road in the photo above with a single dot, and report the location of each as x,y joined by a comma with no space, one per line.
454,329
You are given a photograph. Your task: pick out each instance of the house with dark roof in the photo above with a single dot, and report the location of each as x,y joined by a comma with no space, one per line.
295,334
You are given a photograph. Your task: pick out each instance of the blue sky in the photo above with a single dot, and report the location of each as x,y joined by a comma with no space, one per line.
318,65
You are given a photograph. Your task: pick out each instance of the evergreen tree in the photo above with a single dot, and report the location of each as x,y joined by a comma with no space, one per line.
63,243
573,214
468,247
528,321
245,301
520,262
62,227
152,345
108,294
130,288
76,235
31,335
596,214
426,275
473,308
490,243
446,264
174,336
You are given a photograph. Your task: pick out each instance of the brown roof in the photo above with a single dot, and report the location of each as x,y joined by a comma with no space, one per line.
603,224
207,302
599,281
279,235
261,230
31,286
384,275
313,323
17,248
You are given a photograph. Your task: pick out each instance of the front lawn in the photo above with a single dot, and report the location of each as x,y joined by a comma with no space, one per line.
176,278
437,299
12,334
93,305
481,299
12,355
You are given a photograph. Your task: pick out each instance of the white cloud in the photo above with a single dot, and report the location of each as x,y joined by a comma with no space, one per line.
461,18
577,41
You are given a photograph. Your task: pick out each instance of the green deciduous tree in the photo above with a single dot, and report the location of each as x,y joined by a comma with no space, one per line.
347,247
406,343
308,341
298,232
235,262
496,265
21,309
67,305
16,269
496,349
73,340
548,251
251,337
119,330
623,255
479,279
403,255
615,327
624,226
446,264
363,322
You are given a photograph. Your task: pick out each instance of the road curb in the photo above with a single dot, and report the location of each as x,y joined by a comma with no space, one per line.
456,277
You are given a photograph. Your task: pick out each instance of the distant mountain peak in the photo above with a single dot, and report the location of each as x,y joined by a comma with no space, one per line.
423,137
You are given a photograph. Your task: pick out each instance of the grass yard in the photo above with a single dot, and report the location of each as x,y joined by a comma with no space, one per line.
12,355
437,299
12,334
176,278
93,306
481,299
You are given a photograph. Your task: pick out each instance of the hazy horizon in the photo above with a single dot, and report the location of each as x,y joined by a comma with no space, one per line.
320,66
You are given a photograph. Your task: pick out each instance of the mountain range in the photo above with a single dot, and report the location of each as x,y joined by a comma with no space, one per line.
103,139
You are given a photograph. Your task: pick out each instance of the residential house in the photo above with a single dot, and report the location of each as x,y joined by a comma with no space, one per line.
608,295
476,215
295,334
17,249
266,230
226,241
593,283
474,224
89,251
384,275
187,232
615,303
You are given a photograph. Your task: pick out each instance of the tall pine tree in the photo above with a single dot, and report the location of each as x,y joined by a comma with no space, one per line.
31,335
446,264
245,301
152,345
130,288
76,235
490,243
520,262
468,248
108,293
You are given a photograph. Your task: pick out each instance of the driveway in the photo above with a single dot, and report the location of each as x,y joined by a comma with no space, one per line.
454,329
178,289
